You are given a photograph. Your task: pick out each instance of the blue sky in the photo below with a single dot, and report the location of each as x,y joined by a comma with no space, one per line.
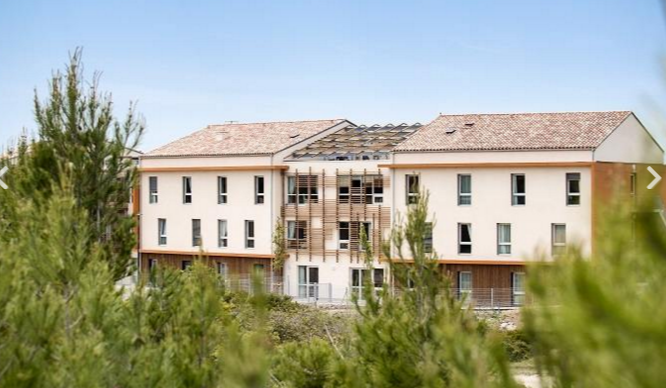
189,64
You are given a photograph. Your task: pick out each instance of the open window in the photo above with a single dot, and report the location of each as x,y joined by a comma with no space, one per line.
302,189
187,189
412,189
518,197
297,234
573,189
259,190
464,239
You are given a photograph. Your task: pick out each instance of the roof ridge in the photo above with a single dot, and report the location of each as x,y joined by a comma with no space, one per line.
534,113
275,122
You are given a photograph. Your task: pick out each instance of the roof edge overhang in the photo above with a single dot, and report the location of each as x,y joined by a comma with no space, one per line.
462,150
466,261
274,167
208,254
413,166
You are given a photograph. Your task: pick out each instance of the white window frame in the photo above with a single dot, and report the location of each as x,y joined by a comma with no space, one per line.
250,237
222,233
306,287
462,243
465,292
461,194
517,293
570,177
412,190
196,240
161,231
187,191
358,288
222,188
514,190
259,190
558,247
292,190
153,195
293,239
503,244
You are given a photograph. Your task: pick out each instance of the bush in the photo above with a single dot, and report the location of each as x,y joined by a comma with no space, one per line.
304,364
517,345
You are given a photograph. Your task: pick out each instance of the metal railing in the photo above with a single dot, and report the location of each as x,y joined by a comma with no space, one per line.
246,283
334,295
477,298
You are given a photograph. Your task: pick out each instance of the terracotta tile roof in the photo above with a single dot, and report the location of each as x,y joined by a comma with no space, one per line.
520,131
243,139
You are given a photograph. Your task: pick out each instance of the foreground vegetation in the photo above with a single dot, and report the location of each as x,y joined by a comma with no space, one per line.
592,321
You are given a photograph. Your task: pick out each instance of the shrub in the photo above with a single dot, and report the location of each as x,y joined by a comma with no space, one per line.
517,345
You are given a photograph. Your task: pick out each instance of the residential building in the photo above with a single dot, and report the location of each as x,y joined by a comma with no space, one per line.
502,187
218,192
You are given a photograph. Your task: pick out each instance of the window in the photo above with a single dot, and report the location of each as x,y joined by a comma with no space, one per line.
187,189
343,235
518,288
297,234
573,189
427,239
559,239
302,189
412,189
152,187
249,234
360,276
632,183
161,231
222,234
185,264
308,282
503,239
152,264
374,189
518,189
221,189
465,239
258,189
349,233
196,233
222,270
464,189
464,284
361,189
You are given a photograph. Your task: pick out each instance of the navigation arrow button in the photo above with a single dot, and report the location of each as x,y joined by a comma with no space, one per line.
656,179
2,172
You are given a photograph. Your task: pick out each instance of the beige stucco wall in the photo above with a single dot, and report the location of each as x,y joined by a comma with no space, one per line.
240,207
493,157
629,143
491,204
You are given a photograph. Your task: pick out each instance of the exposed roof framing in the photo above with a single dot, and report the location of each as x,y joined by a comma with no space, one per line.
358,143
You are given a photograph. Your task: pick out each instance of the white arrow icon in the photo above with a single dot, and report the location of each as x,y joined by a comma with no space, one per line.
2,172
656,179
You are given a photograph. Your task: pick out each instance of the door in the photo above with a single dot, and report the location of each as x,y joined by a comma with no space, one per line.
308,282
